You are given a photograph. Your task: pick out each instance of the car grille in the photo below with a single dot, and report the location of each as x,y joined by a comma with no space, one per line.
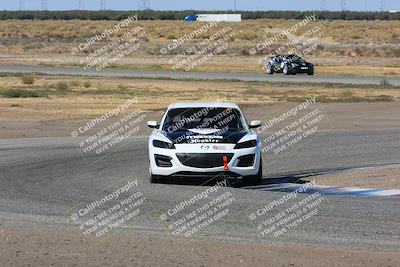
203,160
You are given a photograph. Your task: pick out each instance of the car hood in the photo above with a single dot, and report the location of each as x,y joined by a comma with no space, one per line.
196,136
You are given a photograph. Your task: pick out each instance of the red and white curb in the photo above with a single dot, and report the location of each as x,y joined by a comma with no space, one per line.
328,190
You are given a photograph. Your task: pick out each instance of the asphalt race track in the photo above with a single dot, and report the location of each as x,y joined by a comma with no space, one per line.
41,179
359,80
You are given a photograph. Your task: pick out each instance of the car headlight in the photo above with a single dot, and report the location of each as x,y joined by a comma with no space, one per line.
161,144
247,144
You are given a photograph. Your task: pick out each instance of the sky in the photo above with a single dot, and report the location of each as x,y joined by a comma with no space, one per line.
357,5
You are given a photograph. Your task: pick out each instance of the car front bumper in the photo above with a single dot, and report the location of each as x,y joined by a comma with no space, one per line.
302,69
181,168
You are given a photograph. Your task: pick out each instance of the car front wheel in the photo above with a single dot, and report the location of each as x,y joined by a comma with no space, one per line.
254,179
270,70
154,179
286,70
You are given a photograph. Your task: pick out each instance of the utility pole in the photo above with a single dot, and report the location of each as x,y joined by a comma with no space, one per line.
81,5
343,5
44,4
21,4
383,5
235,5
323,5
102,4
144,4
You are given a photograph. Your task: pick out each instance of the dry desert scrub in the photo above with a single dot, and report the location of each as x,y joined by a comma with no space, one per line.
364,38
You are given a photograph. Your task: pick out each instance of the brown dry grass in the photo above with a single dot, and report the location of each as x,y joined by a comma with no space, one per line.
155,95
248,31
49,42
350,38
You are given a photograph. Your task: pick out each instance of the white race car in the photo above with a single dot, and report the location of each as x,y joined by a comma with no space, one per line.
205,140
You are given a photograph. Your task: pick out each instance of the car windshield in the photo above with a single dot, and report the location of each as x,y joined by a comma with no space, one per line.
295,59
279,58
181,119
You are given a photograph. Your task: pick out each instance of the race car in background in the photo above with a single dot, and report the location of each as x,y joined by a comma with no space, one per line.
205,140
289,64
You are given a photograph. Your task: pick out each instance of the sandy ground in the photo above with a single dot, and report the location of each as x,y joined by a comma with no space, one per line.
51,247
16,123
384,177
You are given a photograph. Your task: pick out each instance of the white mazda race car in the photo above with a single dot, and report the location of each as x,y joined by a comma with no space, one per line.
205,140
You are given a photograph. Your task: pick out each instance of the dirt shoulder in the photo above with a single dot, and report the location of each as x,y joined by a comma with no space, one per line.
56,118
52,105
47,247
383,177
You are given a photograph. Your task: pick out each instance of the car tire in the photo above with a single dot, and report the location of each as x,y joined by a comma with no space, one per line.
270,70
154,179
311,72
254,179
286,70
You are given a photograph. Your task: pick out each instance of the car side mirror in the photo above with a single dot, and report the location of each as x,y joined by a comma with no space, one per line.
255,124
153,124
